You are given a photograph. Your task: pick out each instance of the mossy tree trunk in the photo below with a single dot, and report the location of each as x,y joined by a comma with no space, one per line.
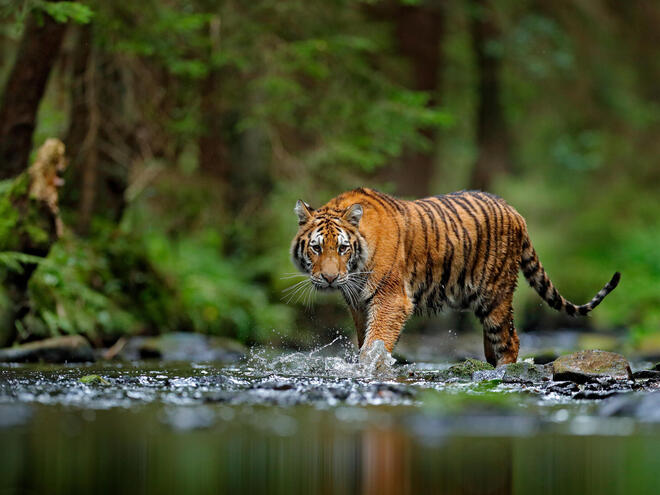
29,225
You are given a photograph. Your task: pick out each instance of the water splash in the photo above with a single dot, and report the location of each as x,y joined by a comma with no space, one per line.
375,360
329,361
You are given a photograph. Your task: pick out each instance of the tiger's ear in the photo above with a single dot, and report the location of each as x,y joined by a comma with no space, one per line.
304,211
353,214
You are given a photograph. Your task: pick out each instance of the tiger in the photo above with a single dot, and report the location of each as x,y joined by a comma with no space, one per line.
391,258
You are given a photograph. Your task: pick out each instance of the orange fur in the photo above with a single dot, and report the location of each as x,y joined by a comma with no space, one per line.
390,257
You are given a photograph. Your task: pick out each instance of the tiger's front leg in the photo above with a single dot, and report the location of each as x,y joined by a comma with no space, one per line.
386,316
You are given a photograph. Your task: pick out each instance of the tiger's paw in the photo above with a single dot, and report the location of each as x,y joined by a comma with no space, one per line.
375,358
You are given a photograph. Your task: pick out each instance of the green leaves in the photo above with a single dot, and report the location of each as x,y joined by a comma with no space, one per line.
14,261
67,11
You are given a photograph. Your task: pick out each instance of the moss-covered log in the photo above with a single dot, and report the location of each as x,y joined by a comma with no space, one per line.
29,225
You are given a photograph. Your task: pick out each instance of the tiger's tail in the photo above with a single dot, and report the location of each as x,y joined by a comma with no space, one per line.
540,282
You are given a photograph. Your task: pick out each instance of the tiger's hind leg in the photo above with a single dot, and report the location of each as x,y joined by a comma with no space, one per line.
501,341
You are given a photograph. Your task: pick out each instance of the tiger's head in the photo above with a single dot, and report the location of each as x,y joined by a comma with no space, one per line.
328,246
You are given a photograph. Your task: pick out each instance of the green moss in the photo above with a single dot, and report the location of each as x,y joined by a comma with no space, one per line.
468,367
462,371
21,217
525,372
93,380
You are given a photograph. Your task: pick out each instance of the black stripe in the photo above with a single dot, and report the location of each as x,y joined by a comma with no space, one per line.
487,254
469,210
555,299
392,201
543,286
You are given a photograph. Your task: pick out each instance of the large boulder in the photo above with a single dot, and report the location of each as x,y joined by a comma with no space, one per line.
67,349
584,366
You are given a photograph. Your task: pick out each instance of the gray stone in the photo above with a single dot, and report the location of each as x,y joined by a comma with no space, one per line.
526,373
464,370
584,366
67,349
487,375
181,346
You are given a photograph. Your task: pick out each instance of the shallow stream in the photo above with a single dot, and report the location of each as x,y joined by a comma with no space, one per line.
314,422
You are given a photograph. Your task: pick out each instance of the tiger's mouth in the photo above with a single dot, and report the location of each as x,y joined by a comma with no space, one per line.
324,285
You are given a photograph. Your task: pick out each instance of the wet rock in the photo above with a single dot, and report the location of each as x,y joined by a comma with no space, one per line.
390,390
274,385
526,373
602,388
595,394
184,347
467,368
647,374
487,375
562,388
463,371
67,349
589,365
644,407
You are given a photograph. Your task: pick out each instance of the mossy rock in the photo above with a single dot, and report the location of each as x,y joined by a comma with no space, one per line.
93,380
591,365
526,373
462,371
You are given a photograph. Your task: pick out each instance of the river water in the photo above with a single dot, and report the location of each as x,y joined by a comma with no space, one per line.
312,423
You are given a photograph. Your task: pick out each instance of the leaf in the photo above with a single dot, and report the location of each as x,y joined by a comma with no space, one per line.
65,11
14,260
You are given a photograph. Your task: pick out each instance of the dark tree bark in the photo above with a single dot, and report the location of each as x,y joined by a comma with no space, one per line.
102,135
493,140
419,31
83,129
36,57
213,152
233,159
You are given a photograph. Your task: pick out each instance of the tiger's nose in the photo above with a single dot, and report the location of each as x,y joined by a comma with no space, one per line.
329,278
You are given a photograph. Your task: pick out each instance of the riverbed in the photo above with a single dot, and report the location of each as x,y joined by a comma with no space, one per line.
314,422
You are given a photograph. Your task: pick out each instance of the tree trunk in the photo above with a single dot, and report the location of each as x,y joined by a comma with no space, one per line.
493,140
419,31
81,139
213,152
36,57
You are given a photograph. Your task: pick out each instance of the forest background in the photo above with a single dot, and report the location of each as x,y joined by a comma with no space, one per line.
193,126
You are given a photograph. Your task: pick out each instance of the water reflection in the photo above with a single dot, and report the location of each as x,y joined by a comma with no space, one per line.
302,450
294,425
